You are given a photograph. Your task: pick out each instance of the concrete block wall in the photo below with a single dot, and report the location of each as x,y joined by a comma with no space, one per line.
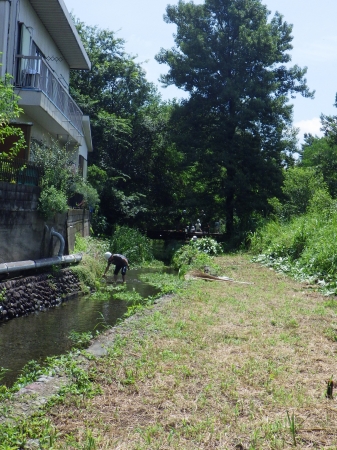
18,197
78,221
25,234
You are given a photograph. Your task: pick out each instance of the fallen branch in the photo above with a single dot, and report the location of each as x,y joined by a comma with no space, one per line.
205,276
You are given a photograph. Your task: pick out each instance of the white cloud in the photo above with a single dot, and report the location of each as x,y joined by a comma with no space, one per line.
311,126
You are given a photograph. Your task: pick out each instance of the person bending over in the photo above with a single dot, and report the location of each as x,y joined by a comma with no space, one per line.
121,264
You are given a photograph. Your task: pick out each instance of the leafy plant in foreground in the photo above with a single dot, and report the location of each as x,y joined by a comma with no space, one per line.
80,340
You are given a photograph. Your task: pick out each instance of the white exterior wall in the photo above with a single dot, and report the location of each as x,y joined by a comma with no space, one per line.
38,109
43,40
8,22
4,23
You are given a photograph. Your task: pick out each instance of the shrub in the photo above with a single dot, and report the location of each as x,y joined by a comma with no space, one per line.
81,244
265,236
9,112
280,240
52,201
60,176
185,256
321,203
90,194
190,257
207,245
131,243
320,255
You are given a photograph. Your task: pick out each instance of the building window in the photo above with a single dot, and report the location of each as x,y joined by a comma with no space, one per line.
29,59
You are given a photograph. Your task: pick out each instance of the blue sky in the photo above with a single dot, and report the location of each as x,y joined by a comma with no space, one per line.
141,25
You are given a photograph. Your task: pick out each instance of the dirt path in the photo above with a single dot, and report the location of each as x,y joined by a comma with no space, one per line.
221,366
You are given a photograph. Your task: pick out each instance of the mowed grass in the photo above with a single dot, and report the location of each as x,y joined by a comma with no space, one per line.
222,366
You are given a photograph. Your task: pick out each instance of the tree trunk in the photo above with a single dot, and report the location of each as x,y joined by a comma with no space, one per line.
229,214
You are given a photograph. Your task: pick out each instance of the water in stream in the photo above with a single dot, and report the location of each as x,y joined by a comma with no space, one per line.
46,333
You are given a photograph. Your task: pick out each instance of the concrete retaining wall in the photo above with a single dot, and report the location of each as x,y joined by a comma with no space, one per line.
78,221
18,197
25,234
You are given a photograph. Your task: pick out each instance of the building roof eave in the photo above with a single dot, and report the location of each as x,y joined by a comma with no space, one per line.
59,24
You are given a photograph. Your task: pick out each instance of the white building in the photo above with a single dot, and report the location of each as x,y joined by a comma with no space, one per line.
39,45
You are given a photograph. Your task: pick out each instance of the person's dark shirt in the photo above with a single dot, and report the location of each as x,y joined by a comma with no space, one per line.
118,260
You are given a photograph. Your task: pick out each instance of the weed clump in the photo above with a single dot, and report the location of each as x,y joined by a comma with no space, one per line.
196,255
304,247
90,270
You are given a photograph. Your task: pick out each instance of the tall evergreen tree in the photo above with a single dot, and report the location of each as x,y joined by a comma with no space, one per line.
234,127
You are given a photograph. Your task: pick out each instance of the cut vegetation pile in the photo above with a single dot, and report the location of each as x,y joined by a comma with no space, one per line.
223,365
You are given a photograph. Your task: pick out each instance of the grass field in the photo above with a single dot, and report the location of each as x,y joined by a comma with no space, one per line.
222,366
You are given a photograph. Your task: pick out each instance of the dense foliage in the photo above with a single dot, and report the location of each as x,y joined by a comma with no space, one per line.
235,127
197,254
92,266
134,166
9,111
131,243
305,247
301,238
220,154
60,179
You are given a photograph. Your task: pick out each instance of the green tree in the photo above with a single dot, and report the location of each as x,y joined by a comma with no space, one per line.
236,124
329,126
320,154
300,186
129,129
9,111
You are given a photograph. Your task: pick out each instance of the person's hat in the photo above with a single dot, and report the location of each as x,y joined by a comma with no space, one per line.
107,255
198,220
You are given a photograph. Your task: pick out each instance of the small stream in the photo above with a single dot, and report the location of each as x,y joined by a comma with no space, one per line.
43,334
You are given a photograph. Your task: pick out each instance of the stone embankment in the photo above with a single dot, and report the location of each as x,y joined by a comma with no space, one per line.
20,297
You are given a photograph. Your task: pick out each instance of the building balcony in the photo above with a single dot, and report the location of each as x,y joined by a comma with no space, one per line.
46,100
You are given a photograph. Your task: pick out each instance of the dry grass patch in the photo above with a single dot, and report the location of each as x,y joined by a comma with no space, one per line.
223,366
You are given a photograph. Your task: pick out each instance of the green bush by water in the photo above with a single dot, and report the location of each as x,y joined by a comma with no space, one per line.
207,245
131,243
91,268
196,255
80,340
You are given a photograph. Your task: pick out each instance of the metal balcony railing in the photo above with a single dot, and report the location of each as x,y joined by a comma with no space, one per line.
34,73
19,171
